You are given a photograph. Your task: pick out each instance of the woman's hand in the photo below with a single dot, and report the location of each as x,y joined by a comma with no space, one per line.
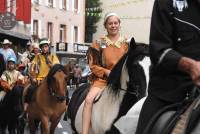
107,72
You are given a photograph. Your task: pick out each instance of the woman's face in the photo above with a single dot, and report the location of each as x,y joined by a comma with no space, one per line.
112,25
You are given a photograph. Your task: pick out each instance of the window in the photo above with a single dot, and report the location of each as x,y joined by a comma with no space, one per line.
76,5
62,33
35,27
64,2
50,3
75,34
36,1
67,4
50,31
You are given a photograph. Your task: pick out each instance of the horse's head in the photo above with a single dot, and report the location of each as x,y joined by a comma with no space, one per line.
23,58
128,74
57,82
68,69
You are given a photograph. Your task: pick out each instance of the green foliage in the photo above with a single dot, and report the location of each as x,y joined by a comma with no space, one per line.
93,15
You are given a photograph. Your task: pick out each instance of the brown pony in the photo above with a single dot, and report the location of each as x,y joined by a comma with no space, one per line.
49,100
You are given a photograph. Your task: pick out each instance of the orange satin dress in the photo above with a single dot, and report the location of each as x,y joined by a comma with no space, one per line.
111,54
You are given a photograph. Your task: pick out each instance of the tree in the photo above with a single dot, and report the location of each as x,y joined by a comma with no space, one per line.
93,15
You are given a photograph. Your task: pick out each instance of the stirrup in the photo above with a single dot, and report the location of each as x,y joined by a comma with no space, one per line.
22,115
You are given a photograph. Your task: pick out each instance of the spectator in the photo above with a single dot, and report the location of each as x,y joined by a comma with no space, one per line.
77,75
6,51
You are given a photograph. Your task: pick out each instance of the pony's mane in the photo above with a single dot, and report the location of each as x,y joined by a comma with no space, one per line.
97,60
2,64
53,70
137,51
114,84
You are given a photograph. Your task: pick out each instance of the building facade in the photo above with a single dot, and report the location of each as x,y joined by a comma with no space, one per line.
135,18
63,23
19,34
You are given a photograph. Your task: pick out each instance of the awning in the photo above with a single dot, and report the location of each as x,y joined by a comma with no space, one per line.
14,34
71,55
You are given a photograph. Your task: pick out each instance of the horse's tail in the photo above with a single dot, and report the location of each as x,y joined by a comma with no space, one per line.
96,55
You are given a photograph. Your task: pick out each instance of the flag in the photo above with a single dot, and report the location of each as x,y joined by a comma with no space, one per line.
3,6
19,10
23,11
27,11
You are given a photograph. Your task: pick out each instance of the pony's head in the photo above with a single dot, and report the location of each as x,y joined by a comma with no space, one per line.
23,58
125,73
57,82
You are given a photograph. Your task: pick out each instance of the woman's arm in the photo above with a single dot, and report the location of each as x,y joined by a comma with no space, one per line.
94,58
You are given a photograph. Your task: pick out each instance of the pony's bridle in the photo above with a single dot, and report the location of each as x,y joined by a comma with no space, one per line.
130,92
58,97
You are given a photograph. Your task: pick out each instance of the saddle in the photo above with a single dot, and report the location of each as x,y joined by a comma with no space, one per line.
180,117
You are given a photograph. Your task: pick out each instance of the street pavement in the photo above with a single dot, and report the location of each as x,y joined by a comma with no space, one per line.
62,128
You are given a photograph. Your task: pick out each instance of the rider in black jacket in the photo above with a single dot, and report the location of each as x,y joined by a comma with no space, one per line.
174,53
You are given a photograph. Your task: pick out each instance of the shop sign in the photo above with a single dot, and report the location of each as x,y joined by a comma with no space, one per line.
7,21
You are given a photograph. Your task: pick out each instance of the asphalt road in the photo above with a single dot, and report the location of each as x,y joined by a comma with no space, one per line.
62,128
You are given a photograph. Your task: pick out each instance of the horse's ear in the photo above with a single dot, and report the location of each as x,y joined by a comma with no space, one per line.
132,43
25,55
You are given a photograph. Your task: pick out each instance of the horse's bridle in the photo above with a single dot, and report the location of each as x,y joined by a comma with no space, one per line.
58,97
130,92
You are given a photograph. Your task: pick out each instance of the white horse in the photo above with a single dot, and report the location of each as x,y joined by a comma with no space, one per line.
25,61
126,84
128,123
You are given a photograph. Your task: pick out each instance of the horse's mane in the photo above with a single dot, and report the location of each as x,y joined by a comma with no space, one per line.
96,59
136,53
2,64
114,77
52,71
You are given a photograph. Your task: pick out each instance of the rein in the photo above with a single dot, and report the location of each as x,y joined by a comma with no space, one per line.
50,79
58,97
129,92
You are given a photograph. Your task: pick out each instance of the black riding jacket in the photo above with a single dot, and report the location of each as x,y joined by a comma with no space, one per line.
175,32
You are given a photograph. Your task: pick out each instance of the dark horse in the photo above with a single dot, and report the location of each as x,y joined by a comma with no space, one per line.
10,109
180,118
10,106
126,84
49,100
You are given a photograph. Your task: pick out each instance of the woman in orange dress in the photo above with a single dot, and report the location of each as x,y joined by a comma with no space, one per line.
112,47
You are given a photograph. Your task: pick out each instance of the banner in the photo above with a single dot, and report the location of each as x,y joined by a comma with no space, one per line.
27,11
23,11
19,10
3,6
